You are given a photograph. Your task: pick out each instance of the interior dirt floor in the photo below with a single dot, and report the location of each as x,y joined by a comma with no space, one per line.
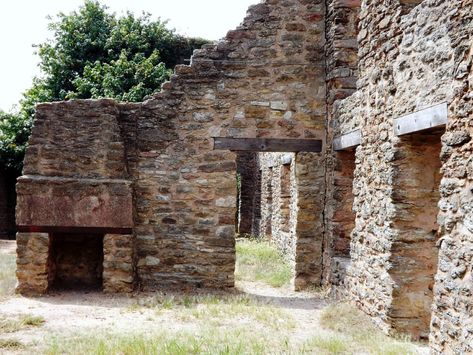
68,314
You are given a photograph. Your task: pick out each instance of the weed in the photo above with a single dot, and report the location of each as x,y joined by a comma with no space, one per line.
11,344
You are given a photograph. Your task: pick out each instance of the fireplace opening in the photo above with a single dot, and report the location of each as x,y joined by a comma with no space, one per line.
75,262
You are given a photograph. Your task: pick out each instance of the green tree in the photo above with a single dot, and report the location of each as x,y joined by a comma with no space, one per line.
14,133
94,54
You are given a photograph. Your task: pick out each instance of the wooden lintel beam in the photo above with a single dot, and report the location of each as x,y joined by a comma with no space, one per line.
432,117
347,141
268,144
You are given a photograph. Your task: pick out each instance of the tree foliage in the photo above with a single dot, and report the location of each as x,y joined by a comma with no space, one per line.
94,54
14,133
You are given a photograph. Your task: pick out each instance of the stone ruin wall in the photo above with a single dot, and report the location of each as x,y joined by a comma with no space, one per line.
268,78
410,59
265,79
341,52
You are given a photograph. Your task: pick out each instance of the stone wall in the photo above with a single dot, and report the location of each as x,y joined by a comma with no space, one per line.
342,71
286,72
452,319
411,58
265,79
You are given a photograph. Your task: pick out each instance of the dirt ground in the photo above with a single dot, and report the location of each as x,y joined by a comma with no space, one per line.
71,313
7,247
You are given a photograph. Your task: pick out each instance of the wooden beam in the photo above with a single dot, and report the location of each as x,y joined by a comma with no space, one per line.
432,117
268,144
347,141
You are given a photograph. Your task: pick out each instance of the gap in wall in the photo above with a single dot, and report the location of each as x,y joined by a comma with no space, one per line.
343,217
414,253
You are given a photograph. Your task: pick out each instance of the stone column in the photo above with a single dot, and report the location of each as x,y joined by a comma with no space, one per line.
118,263
32,263
310,180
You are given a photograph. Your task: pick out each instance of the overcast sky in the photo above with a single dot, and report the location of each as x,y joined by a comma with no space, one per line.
23,23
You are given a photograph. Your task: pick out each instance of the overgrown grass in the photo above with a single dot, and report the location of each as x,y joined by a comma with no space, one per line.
217,309
211,340
7,275
355,333
12,325
260,261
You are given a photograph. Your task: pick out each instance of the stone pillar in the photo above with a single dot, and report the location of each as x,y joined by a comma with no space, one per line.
32,263
310,177
118,263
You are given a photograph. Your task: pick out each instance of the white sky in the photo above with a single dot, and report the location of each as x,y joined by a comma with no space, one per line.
23,23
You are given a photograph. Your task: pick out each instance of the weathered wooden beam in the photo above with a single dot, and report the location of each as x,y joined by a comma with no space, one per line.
432,117
268,144
347,141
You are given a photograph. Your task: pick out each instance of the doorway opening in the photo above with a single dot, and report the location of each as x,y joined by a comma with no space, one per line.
343,220
414,253
266,214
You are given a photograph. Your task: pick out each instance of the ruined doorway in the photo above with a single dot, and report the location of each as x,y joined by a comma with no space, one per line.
300,204
75,261
343,220
414,254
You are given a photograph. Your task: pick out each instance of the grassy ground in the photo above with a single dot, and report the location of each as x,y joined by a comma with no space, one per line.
261,262
7,275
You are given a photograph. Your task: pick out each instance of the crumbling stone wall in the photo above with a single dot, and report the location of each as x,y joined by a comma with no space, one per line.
150,168
410,59
265,79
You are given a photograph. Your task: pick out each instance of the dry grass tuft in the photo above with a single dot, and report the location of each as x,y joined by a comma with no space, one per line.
11,344
12,325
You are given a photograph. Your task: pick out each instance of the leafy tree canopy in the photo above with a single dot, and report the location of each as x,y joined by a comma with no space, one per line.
95,54
14,133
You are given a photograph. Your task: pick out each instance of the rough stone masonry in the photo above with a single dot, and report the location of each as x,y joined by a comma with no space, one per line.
139,193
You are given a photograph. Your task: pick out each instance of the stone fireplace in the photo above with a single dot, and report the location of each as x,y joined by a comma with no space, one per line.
74,210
